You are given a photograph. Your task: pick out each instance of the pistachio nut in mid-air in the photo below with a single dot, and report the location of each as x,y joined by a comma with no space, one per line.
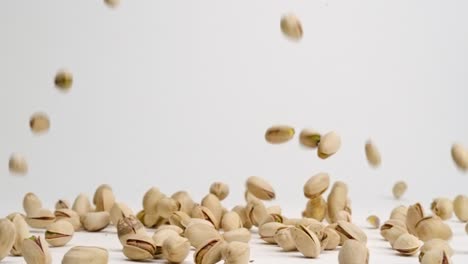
442,207
316,185
399,189
291,27
460,156
220,189
260,188
329,144
63,80
309,138
279,134
18,164
372,154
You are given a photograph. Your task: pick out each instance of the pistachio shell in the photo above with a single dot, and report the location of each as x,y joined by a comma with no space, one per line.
374,221
309,222
212,202
306,241
178,218
442,207
89,255
166,206
160,235
221,190
343,216
175,249
68,215
202,212
309,138
399,213
63,80
275,209
199,233
260,188
118,211
291,27
59,233
267,231
460,156
399,189
39,123
392,234
185,200
104,198
22,232
128,226
242,212
240,234
407,244
82,205
18,164
433,227
62,204
7,237
139,247
236,253
435,244
348,230
279,134
36,251
151,198
460,207
40,218
175,228
31,203
95,221
285,240
210,252
353,252
414,215
334,238
372,154
329,144
316,185
436,256
231,221
337,200
273,218
256,212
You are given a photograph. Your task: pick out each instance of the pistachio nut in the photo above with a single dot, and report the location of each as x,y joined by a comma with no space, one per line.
256,212
267,231
40,218
139,247
22,232
175,249
220,189
199,233
337,200
209,252
63,80
249,197
399,213
95,221
104,198
212,202
260,188
118,211
279,134
407,244
399,189
329,144
309,138
151,198
334,238
291,27
36,251
128,226
231,221
31,203
59,233
62,204
236,253
178,218
192,221
374,221
353,252
306,241
285,240
436,256
390,224
175,228
202,212
372,154
82,205
316,185
348,230
274,209
273,218
442,207
240,234
12,215
435,244
413,216
242,212
460,207
460,156
68,215
18,164
185,200
112,3
313,225
166,206
39,123
7,237
344,216
89,255
433,227
302,221
392,234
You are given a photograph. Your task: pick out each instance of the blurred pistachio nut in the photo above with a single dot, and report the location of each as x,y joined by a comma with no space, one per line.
220,189
343,216
39,123
112,3
392,234
212,202
40,218
407,244
291,27
316,185
372,154
329,144
414,214
399,189
433,227
374,221
62,204
334,238
166,206
31,203
236,253
306,241
199,233
36,251
309,138
22,232
70,216
460,207
274,209
240,234
185,200
95,221
260,188
267,231
348,230
151,198
81,205
337,200
104,198
63,80
178,218
7,237
139,247
442,207
390,224
59,233
279,134
435,244
209,252
175,249
273,218
460,156
18,164
203,212
160,235
231,221
256,212
128,226
242,212
175,228
353,252
399,213
436,256
89,255
118,211
285,240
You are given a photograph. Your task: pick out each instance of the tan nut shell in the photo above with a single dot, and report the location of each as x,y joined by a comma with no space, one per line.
407,244
414,214
160,235
220,189
334,238
460,207
199,233
392,234
236,253
95,221
22,232
279,134
212,202
433,227
329,144
63,80
435,244
291,27
309,138
31,203
256,212
240,234
348,230
306,241
242,212
374,221
128,226
316,185
68,215
59,233
178,219
166,206
231,221
18,164
353,252
36,251
7,237
175,249
399,189
436,256
185,200
399,213
260,188
442,207
88,255
210,252
285,240
40,218
39,123
139,247
337,200
267,231
202,212
372,154
62,204
81,205
175,228
460,156
118,211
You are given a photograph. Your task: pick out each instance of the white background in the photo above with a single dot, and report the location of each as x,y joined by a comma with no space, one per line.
178,94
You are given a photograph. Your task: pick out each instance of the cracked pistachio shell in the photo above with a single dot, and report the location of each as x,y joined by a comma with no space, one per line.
185,200
436,256
202,212
22,232
31,203
240,234
392,234
209,252
151,198
40,218
104,198
175,249
309,138
199,233
178,218
273,218
256,212
442,207
88,255
414,214
399,189
329,144
59,233
313,225
306,241
407,244
399,213
353,252
231,221
118,211
372,154
260,188
433,227
95,221
291,27
242,212
7,237
128,226
18,164
36,251
39,123
139,247
70,216
212,202
460,156
337,200
460,207
160,235
316,185
63,80
62,204
279,134
267,231
374,221
334,238
220,190
391,223
435,244
192,221
348,230
166,206
343,216
82,205
236,253
285,240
